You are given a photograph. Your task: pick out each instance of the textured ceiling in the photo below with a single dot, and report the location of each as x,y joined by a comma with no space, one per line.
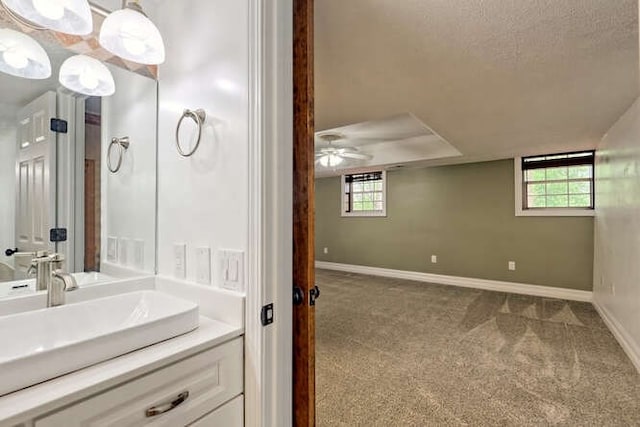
495,78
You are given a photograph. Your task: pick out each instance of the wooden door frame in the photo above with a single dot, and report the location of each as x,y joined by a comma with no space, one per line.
303,214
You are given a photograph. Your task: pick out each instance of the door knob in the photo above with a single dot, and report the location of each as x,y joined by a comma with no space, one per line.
314,294
10,251
298,296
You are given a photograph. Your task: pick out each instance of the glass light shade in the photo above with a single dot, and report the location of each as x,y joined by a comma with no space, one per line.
131,35
22,56
330,160
87,76
65,16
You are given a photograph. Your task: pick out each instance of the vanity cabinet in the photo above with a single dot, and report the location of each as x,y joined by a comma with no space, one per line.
202,390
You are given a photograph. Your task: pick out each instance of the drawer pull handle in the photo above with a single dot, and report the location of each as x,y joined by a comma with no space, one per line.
166,407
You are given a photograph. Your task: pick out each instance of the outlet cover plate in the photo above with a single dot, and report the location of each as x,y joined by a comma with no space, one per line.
203,266
123,251
138,254
112,249
180,260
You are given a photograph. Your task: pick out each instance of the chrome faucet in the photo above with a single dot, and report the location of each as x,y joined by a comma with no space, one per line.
50,277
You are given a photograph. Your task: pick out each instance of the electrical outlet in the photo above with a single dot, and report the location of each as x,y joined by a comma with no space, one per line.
326,250
138,254
231,269
123,251
434,259
203,266
512,265
180,260
112,249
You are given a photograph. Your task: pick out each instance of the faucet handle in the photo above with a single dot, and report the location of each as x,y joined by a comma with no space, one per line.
33,267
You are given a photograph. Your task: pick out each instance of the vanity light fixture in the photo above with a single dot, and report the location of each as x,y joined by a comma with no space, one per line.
86,75
22,56
65,16
130,34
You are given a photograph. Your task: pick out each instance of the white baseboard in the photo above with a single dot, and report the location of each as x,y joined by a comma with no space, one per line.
465,282
625,340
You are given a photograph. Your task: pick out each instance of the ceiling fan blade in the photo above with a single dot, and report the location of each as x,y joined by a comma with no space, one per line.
358,156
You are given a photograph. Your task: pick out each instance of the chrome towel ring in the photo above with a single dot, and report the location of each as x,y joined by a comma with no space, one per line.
198,116
123,145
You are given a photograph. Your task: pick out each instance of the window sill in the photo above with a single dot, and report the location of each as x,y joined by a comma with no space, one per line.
364,214
555,212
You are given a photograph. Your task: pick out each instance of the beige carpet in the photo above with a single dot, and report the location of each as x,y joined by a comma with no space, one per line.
401,353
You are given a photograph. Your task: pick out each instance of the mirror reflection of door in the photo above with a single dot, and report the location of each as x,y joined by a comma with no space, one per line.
30,156
35,180
92,173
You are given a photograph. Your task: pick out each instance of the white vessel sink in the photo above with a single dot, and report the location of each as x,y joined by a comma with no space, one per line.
43,344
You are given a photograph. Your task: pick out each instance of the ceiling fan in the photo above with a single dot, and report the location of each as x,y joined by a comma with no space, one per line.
331,156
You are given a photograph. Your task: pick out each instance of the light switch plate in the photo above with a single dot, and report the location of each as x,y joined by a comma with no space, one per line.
203,266
180,260
138,254
231,269
112,249
123,251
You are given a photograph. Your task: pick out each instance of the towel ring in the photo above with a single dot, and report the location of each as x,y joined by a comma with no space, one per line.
123,145
197,116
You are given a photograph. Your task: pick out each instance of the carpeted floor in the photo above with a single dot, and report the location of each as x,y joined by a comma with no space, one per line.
400,353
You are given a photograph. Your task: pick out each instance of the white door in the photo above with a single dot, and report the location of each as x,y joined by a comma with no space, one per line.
35,179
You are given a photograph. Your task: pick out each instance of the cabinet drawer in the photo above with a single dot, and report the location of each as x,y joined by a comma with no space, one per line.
229,415
210,379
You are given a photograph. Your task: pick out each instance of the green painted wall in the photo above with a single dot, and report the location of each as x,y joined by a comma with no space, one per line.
464,214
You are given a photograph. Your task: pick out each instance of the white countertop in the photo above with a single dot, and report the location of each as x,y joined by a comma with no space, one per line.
32,401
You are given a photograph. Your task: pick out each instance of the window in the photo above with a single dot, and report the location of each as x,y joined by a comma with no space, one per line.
364,194
555,184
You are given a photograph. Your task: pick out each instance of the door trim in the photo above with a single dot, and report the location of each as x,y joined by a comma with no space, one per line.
268,353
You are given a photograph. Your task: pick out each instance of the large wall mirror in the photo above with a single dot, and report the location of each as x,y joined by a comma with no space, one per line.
77,173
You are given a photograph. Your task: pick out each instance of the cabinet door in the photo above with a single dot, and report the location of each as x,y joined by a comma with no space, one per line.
229,415
176,395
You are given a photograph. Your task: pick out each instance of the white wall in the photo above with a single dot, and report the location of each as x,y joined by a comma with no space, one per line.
8,146
203,200
129,196
617,230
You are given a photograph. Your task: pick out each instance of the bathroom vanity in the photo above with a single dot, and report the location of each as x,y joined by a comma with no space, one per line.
194,378
93,331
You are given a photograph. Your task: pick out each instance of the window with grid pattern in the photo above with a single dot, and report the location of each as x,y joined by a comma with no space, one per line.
364,194
558,181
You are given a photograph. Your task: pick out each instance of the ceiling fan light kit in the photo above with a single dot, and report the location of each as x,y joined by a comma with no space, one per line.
332,156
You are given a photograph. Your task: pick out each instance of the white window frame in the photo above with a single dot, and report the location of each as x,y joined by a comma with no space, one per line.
517,167
377,214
